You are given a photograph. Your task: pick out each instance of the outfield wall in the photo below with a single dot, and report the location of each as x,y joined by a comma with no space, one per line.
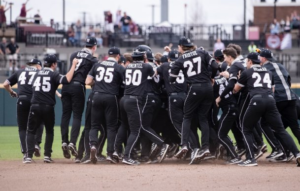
8,113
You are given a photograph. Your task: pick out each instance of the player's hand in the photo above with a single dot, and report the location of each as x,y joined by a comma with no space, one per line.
75,61
167,49
239,74
13,94
58,94
225,74
218,100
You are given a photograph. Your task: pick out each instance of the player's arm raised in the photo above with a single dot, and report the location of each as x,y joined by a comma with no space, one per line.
70,74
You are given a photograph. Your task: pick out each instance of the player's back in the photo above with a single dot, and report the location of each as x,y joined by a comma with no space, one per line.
136,76
108,77
45,84
259,80
179,85
24,78
85,63
195,66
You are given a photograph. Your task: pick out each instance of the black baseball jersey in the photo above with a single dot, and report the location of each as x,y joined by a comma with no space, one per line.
179,85
258,80
154,83
85,63
234,70
108,76
24,78
44,86
194,65
136,78
281,81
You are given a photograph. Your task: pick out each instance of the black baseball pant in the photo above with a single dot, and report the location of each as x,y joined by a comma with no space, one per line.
288,112
264,106
40,113
176,103
23,108
73,99
105,110
228,118
198,101
150,109
131,117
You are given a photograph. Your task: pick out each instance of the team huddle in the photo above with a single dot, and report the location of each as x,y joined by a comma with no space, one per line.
150,108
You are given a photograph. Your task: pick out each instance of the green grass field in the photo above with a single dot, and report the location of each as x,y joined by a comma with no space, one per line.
10,145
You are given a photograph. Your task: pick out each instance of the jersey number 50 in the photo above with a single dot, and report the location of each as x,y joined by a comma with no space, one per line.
134,78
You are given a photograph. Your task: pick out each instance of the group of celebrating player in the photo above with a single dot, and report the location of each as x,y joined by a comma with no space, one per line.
152,106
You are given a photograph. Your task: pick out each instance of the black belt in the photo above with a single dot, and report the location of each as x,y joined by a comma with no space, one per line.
261,95
36,104
177,93
76,83
130,96
21,96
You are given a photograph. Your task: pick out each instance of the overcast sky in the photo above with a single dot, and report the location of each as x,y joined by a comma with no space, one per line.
211,11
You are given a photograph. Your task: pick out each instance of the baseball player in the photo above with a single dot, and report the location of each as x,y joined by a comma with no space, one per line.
24,79
194,65
260,84
107,77
73,96
44,87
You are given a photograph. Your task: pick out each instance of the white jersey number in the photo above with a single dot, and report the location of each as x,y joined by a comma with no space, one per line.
108,77
180,78
266,80
134,78
22,77
188,64
46,86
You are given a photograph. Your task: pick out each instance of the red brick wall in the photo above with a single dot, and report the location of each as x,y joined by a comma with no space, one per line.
265,14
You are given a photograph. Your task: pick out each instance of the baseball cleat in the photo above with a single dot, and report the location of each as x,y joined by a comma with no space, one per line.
66,151
202,153
194,158
117,156
101,158
73,149
172,150
241,152
258,155
181,152
77,160
37,151
234,161
282,158
129,161
248,163
111,159
275,154
93,155
298,160
163,152
154,150
27,160
85,160
48,159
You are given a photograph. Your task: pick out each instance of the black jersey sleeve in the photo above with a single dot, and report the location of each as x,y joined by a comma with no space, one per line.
243,79
175,71
92,72
233,72
228,88
159,70
13,79
150,70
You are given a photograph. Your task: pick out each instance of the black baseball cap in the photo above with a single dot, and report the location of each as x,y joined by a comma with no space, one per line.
51,58
218,53
254,57
173,55
114,51
122,60
34,61
183,41
164,58
267,54
91,41
150,56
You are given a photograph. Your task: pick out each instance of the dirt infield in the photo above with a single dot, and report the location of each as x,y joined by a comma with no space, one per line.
170,175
